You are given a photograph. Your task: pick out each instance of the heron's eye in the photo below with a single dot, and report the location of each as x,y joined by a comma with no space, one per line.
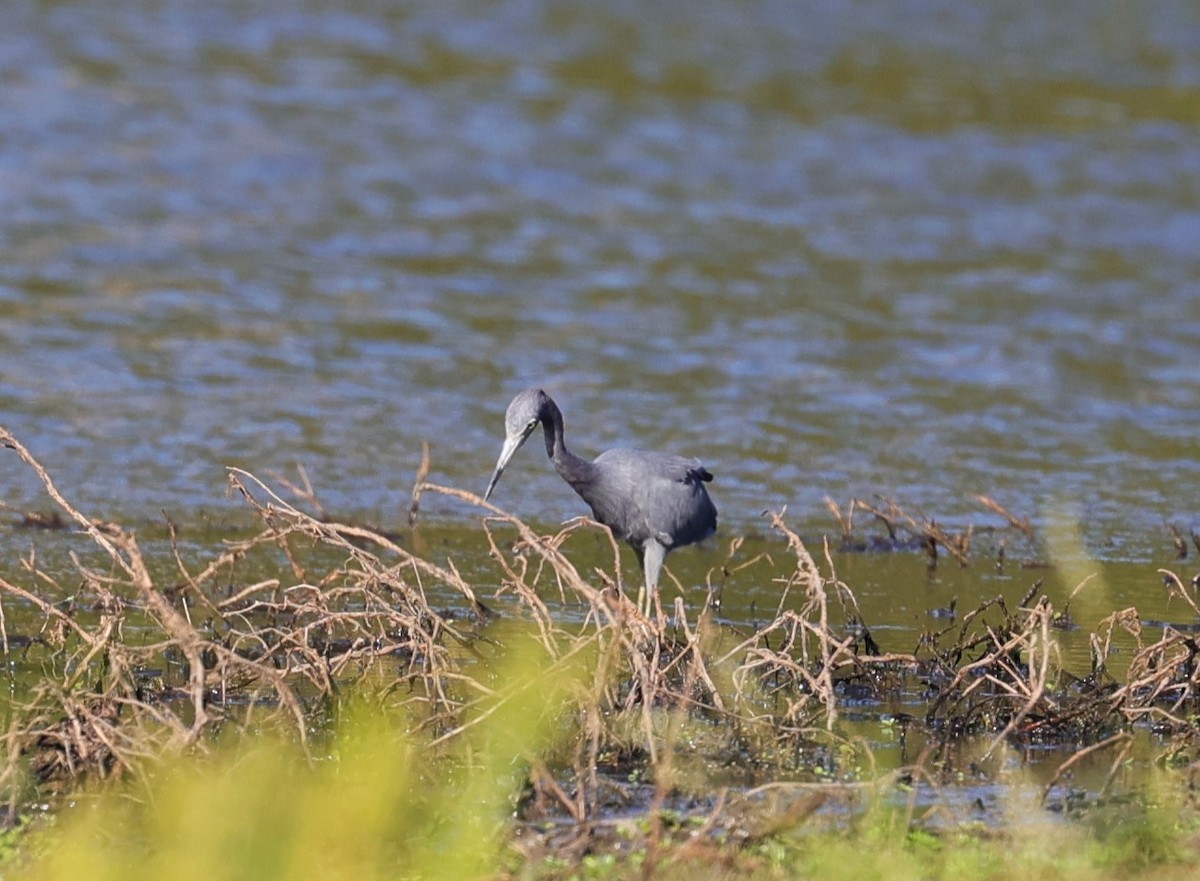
532,425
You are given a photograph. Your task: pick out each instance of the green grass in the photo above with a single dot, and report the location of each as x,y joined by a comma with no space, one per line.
379,804
376,803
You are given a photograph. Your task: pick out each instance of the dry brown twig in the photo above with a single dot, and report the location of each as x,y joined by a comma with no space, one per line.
419,484
1021,524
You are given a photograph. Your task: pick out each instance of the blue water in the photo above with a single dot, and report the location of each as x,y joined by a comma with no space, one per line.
920,249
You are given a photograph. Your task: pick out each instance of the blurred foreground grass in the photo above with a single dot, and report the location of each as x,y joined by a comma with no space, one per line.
378,802
378,806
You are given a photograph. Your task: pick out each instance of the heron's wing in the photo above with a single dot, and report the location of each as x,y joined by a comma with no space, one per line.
668,466
663,494
640,466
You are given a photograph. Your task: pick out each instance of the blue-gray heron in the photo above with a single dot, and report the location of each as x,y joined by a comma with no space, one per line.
654,501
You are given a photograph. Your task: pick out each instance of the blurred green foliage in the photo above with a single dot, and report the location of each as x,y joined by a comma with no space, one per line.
376,803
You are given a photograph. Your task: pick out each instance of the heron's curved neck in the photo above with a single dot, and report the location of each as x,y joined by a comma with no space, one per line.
570,466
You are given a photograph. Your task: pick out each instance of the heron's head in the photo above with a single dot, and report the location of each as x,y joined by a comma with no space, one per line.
522,418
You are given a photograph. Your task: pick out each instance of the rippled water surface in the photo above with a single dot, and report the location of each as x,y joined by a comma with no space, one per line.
925,249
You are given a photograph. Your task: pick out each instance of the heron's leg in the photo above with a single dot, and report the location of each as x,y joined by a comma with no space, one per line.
654,554
642,587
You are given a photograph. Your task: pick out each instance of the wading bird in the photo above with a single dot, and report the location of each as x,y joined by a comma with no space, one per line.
654,501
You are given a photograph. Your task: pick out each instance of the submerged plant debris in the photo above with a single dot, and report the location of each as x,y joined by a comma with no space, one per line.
685,727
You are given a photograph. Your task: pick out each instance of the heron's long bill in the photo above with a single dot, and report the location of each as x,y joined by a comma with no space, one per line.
511,445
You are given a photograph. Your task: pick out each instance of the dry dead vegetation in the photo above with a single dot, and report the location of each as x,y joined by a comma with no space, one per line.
126,667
